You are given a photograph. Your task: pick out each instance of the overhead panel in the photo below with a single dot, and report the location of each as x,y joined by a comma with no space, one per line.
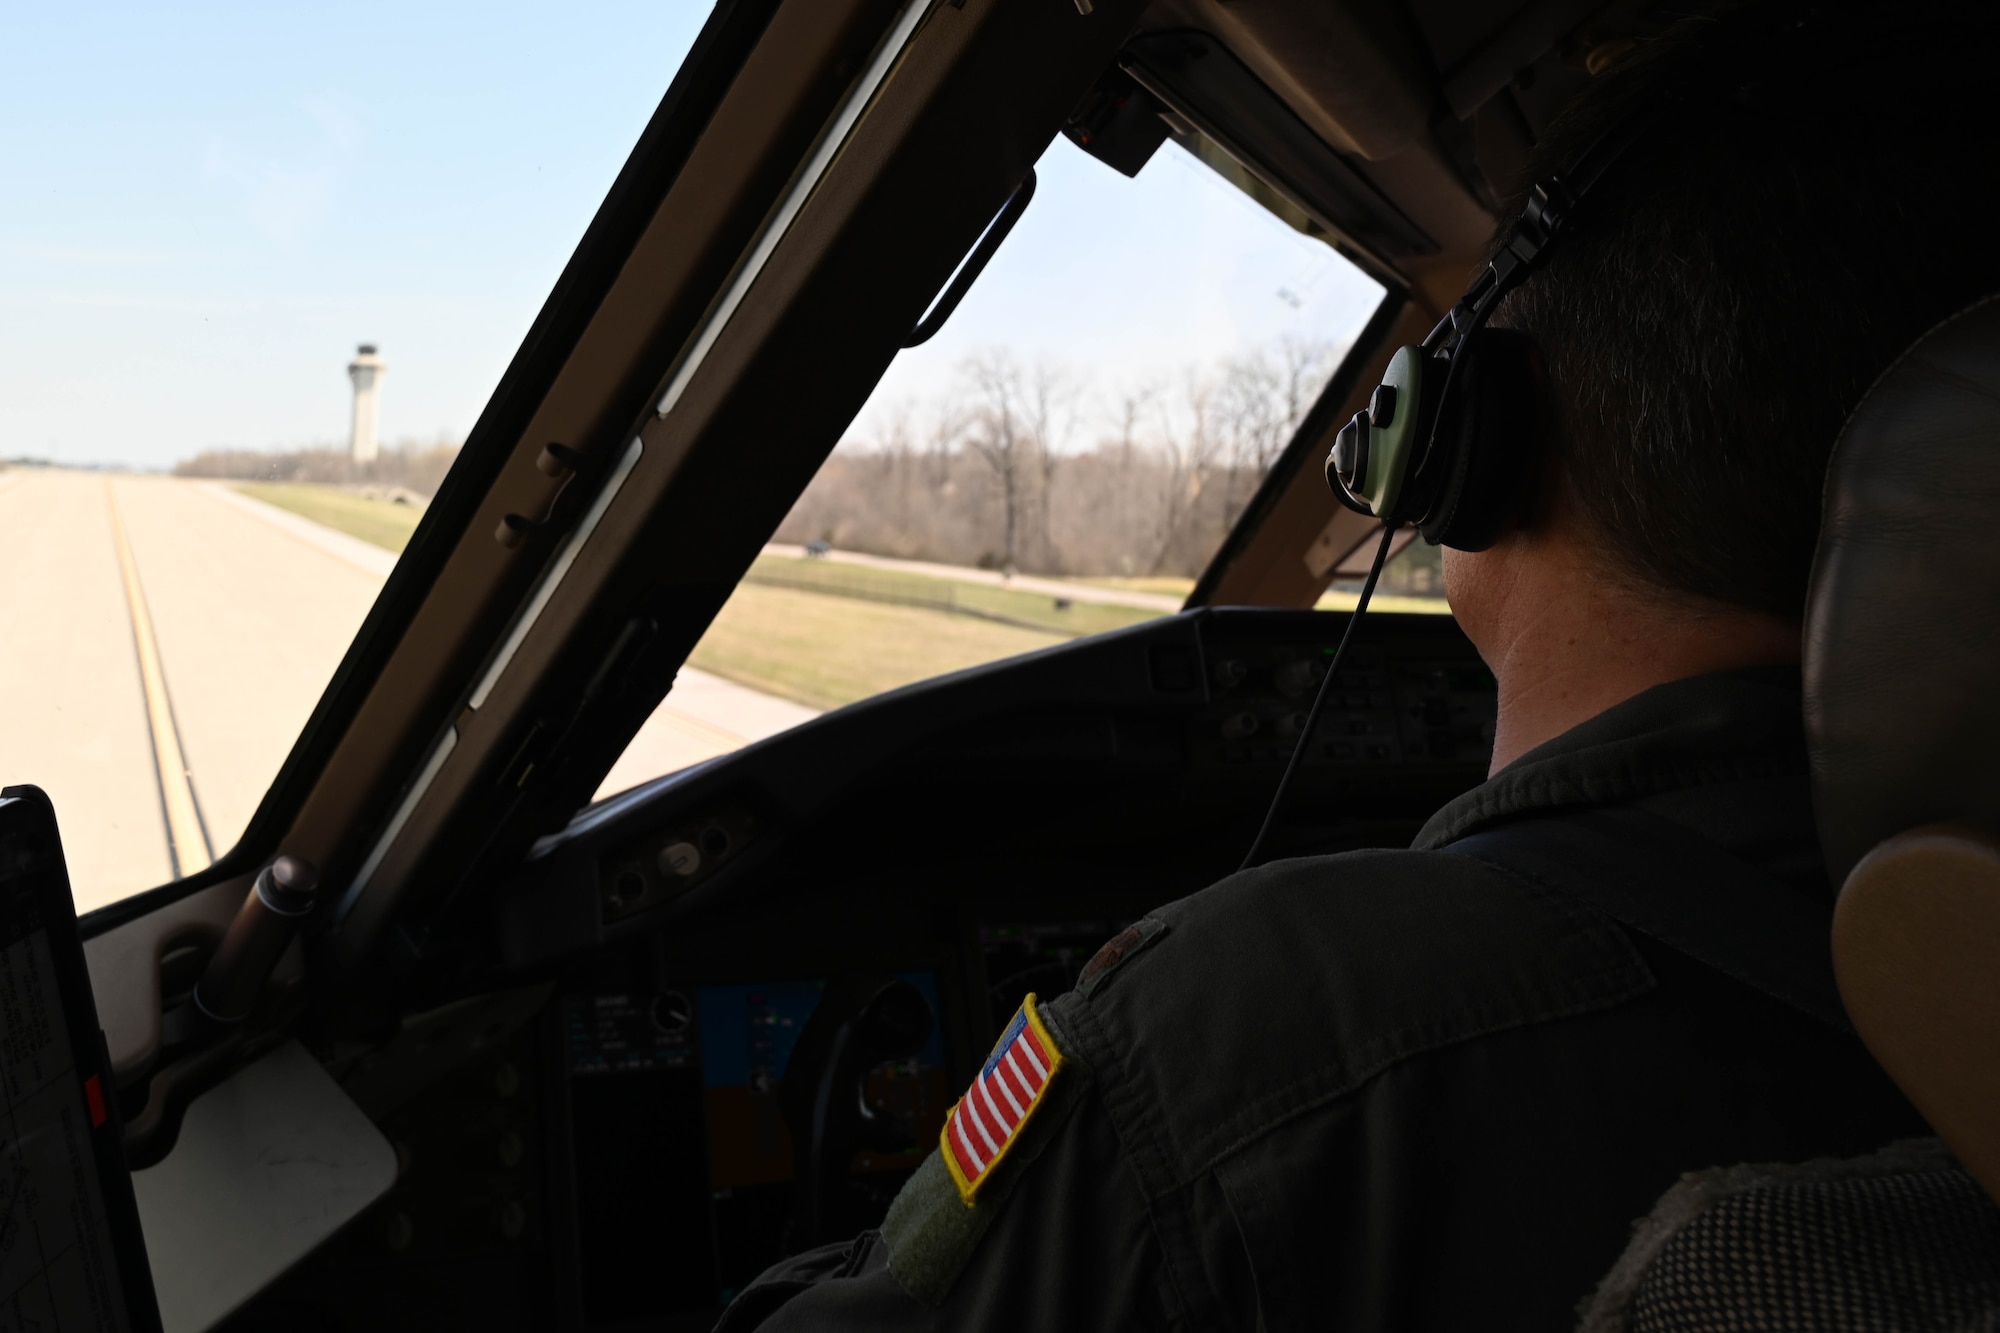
1203,84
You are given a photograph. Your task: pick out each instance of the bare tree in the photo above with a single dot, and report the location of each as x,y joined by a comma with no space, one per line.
407,469
1259,402
991,473
1007,431
1050,406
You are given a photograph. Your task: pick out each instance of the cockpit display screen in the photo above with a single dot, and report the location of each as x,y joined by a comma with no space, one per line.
747,1037
740,1066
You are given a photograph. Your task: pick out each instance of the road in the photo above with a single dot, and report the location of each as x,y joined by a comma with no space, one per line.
162,643
705,716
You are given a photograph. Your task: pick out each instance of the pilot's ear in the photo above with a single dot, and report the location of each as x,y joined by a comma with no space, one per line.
1490,439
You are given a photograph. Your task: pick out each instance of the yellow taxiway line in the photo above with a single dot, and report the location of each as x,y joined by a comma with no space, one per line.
187,839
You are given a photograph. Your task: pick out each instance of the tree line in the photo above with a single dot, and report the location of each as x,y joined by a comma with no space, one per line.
1013,466
414,469
1019,467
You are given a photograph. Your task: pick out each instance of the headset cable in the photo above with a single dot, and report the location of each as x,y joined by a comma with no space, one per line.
1319,699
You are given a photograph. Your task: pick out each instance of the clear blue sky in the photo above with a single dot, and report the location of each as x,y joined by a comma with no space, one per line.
206,206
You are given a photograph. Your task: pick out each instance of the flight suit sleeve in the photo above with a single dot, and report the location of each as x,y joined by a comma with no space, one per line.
1063,1241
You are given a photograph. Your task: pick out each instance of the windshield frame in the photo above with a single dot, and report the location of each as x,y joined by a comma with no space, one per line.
732,32
704,77
1314,430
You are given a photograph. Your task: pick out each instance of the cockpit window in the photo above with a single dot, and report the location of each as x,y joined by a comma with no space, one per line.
1062,459
262,268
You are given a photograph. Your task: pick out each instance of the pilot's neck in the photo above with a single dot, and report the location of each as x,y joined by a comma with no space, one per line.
1567,639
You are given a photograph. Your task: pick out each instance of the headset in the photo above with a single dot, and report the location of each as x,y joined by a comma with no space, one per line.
1447,440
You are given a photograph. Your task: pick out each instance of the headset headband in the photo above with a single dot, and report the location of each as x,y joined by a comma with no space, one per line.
1525,246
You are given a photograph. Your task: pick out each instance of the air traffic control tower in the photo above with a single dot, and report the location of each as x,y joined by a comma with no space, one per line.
366,370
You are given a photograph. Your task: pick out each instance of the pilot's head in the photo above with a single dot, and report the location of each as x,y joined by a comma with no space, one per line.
1816,192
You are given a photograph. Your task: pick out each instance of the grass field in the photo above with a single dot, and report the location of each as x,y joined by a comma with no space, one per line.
1023,610
377,522
1330,601
1169,585
827,651
825,634
1382,601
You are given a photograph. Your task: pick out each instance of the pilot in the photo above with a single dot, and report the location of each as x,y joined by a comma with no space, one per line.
1412,1090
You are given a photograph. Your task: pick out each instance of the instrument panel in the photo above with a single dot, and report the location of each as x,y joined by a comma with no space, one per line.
647,1075
952,848
720,1018
1199,712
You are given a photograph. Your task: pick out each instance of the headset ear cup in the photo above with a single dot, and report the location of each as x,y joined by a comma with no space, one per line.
1488,438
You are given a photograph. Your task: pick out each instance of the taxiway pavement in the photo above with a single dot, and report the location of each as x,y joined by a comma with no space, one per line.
238,613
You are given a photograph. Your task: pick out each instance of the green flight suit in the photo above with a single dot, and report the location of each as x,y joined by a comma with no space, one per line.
1389,1089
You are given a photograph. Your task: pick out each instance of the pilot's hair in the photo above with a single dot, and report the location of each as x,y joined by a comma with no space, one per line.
1813,195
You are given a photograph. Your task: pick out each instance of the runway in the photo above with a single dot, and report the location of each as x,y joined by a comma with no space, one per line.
162,643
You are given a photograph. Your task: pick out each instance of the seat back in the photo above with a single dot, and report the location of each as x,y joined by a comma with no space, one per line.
1902,671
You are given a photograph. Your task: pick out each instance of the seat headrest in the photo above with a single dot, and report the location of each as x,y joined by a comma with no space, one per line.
1902,645
1902,659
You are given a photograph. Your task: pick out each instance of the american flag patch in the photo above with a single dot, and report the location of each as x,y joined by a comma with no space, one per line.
988,1120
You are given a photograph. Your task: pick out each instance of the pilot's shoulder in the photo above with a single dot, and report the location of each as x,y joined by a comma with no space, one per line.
1293,984
1376,927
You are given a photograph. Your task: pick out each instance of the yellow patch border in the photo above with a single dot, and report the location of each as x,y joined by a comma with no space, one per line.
969,1189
